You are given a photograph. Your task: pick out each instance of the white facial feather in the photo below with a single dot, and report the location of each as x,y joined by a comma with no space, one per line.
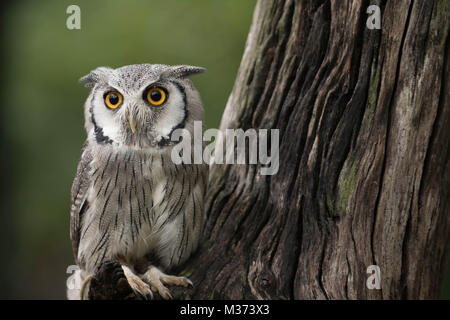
173,113
106,119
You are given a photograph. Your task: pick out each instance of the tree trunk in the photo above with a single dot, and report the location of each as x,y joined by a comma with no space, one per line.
364,157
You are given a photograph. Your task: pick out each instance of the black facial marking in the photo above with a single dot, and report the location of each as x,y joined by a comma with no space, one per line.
168,141
100,137
164,142
183,94
98,131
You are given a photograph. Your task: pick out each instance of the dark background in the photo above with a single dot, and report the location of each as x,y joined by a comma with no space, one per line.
41,114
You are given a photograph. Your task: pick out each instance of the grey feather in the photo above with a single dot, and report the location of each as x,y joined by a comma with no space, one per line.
78,202
94,77
181,71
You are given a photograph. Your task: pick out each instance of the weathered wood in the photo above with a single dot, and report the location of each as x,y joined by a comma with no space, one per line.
364,157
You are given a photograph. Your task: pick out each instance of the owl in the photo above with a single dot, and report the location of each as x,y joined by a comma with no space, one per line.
130,202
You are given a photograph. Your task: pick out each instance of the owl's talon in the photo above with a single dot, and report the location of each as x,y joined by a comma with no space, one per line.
177,281
157,281
138,286
165,293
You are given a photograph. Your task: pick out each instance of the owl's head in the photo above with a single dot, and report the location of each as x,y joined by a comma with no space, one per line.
141,105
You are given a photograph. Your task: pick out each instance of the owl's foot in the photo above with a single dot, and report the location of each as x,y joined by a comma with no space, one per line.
139,287
109,283
157,281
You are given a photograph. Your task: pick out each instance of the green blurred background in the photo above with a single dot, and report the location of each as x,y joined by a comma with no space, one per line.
41,114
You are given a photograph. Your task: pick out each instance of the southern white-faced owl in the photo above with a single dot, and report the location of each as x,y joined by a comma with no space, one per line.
130,203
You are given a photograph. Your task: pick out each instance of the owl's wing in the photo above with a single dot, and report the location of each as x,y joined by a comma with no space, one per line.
78,203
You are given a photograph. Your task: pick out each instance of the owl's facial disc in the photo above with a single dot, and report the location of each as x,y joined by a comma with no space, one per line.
144,117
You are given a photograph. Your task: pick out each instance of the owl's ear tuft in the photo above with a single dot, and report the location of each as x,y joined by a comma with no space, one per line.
182,71
94,77
89,80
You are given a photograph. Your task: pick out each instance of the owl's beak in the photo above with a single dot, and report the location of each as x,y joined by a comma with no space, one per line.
132,123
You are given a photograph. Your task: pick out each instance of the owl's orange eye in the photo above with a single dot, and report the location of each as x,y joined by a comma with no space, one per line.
156,96
113,99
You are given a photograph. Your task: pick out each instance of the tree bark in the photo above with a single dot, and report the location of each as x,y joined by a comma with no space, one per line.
364,173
